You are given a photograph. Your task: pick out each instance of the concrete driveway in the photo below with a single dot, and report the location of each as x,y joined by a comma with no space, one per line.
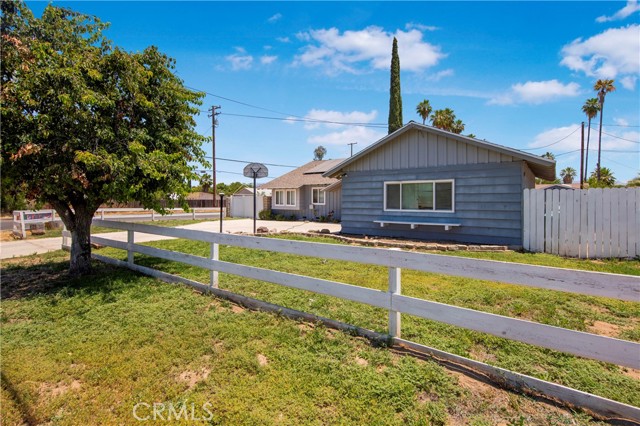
28,247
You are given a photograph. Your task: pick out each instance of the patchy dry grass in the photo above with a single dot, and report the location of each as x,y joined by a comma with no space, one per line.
77,350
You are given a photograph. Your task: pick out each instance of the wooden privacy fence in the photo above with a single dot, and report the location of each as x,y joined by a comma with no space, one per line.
624,287
591,223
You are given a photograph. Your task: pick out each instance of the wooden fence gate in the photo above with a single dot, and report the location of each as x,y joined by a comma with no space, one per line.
591,223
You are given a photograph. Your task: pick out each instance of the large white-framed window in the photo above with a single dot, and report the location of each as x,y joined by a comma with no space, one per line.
420,196
317,196
285,198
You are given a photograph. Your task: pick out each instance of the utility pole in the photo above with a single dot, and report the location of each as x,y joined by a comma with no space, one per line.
214,122
582,157
351,145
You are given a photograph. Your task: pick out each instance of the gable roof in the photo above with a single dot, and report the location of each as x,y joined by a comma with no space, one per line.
541,167
308,174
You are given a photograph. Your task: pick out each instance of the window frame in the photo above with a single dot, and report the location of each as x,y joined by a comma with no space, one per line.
320,190
402,182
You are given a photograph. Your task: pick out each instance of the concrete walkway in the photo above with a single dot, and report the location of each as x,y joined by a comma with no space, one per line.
20,248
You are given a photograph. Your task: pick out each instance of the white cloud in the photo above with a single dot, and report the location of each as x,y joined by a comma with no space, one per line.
536,92
364,136
609,54
329,130
631,7
356,51
283,39
268,59
629,82
274,18
240,60
440,75
421,27
564,140
336,117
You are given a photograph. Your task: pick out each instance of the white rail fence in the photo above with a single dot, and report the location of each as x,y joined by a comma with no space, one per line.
593,223
122,213
623,287
24,219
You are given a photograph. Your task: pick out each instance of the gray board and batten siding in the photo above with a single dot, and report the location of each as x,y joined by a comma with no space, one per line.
488,182
302,210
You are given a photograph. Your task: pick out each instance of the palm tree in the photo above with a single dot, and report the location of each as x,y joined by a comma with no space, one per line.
424,110
457,127
567,174
606,179
443,119
602,87
591,108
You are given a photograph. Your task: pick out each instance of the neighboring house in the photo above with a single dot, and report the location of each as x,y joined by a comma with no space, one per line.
305,193
425,183
547,186
201,199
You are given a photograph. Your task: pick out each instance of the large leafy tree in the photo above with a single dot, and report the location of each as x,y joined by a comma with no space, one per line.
602,87
85,123
590,108
395,97
424,110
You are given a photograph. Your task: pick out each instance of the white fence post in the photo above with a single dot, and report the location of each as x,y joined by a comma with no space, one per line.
395,288
130,246
193,214
214,255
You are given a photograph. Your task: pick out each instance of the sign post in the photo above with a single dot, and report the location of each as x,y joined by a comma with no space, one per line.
255,171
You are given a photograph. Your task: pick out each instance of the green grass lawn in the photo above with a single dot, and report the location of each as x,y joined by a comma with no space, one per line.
584,313
82,351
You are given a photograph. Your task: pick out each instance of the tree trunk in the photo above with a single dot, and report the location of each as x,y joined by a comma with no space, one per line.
80,262
78,222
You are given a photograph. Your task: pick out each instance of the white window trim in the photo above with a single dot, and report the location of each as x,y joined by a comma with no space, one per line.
453,196
320,190
285,206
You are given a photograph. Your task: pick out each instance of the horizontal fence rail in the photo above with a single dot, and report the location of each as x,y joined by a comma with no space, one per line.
624,287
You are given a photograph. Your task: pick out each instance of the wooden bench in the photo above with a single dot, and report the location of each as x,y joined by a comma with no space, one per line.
415,222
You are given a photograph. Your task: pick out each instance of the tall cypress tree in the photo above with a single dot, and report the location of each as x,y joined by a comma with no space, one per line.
395,98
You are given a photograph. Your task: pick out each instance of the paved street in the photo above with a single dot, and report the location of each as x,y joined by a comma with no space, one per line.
28,247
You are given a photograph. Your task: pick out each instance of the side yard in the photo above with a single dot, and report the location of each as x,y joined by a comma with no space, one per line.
76,349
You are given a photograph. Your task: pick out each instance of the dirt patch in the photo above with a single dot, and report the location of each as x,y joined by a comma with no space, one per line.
604,329
192,378
237,309
631,372
362,361
53,390
479,353
262,360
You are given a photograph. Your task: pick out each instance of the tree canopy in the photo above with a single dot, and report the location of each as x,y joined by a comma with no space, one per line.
319,153
85,123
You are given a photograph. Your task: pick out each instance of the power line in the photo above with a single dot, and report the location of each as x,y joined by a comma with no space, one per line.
621,164
247,162
618,137
602,150
309,120
553,143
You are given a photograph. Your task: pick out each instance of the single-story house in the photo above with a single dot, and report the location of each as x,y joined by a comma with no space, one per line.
305,193
421,182
550,186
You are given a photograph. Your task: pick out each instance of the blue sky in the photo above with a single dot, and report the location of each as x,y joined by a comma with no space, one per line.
516,73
